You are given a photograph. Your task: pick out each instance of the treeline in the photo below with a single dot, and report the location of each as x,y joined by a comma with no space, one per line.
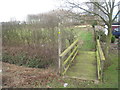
52,18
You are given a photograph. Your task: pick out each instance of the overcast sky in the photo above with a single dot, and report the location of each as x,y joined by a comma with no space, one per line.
19,9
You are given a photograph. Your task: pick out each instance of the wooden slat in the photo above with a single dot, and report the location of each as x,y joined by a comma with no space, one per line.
68,49
66,69
70,62
70,55
74,56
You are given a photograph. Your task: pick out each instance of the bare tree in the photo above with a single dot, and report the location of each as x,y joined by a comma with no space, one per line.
106,9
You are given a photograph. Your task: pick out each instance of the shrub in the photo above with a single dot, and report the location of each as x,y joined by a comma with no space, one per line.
113,39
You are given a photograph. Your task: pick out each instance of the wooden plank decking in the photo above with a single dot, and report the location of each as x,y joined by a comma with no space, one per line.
84,67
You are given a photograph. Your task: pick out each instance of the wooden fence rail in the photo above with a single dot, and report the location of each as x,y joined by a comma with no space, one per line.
67,56
100,60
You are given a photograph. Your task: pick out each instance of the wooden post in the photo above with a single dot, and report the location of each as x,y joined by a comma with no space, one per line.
59,48
102,69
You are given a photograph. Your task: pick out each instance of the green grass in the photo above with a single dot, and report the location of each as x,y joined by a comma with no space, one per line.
87,38
72,83
110,74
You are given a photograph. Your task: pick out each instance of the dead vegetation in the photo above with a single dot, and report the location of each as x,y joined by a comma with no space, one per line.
19,76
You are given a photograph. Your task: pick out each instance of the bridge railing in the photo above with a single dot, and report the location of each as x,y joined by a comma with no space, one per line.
100,61
67,56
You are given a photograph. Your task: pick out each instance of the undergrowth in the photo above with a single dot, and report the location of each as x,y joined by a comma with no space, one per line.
25,60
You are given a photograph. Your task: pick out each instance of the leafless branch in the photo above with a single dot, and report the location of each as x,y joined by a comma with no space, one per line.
77,6
100,7
116,15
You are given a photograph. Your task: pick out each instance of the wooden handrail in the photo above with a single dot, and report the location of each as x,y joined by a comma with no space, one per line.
98,64
65,63
68,49
100,60
70,62
70,55
102,57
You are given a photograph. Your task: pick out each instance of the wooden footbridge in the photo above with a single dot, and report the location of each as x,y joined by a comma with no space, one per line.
82,64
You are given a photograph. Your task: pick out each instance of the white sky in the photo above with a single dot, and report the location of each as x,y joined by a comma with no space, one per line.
19,9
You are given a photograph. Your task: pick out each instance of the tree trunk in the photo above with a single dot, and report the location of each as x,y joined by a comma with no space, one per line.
108,41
